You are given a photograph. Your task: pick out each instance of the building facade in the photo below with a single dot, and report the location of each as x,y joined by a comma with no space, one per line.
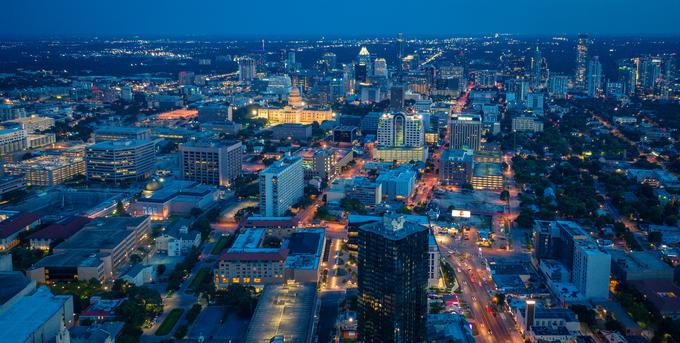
120,161
213,162
281,186
392,281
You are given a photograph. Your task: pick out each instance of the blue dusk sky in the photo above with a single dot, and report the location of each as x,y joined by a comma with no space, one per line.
271,18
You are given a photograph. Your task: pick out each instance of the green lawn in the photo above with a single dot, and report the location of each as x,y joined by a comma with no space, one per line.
169,322
219,245
198,279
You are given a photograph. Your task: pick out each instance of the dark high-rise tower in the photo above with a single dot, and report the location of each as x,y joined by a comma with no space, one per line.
400,47
392,285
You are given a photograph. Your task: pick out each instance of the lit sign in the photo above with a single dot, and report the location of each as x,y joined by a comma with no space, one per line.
460,214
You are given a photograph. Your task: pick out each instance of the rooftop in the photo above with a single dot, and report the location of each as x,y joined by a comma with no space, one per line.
393,227
281,165
120,144
283,310
11,222
22,319
12,283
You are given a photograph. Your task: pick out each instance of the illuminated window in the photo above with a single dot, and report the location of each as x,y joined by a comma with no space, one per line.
235,280
257,280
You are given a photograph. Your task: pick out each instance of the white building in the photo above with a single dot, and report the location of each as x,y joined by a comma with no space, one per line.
401,130
591,270
281,186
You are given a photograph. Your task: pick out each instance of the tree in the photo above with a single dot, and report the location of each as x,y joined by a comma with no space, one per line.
120,209
195,212
272,242
160,269
655,237
505,195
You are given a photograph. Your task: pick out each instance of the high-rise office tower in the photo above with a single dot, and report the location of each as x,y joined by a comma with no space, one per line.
466,132
397,98
581,61
558,86
281,186
330,59
211,162
380,67
348,78
401,130
364,57
360,72
392,281
246,69
400,46
594,77
519,86
537,69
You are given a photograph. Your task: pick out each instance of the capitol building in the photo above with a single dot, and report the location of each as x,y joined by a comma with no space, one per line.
295,112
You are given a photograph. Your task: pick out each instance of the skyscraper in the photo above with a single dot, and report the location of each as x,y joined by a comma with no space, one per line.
557,86
397,98
401,138
466,131
281,186
581,61
330,59
537,70
400,46
400,130
246,69
392,281
594,77
380,67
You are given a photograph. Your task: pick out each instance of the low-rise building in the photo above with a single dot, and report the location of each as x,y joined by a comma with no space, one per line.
178,238
12,223
526,124
30,314
161,200
294,131
47,170
40,140
447,328
248,262
57,232
639,265
9,183
96,251
487,176
298,304
400,154
33,123
12,140
368,192
398,183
